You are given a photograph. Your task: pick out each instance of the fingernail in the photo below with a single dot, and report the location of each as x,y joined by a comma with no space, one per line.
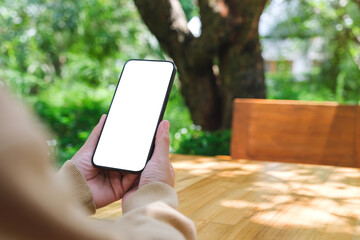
167,125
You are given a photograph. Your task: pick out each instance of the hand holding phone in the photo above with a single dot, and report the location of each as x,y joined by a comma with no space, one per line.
106,186
159,168
127,138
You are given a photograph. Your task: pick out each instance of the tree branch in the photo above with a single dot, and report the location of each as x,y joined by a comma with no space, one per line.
223,23
167,21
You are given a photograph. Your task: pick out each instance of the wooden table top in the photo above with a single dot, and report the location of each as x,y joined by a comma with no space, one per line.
242,199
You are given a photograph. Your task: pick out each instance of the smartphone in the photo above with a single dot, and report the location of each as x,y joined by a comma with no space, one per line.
127,138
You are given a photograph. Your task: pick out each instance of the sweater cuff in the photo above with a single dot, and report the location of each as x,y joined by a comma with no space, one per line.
80,191
152,192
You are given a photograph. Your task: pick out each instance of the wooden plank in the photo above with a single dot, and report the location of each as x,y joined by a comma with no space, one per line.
213,231
111,211
357,138
292,102
240,128
292,131
206,190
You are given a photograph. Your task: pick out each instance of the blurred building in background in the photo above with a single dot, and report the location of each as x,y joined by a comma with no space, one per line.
291,55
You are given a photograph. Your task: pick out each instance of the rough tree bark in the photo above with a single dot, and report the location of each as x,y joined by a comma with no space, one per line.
223,63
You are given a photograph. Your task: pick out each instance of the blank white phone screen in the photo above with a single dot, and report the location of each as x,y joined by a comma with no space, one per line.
131,123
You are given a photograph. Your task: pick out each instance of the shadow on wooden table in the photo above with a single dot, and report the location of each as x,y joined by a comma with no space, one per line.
241,199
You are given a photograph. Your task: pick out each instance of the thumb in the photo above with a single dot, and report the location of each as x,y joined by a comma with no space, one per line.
95,134
162,141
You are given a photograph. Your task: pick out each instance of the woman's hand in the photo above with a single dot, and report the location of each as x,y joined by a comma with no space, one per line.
106,186
159,168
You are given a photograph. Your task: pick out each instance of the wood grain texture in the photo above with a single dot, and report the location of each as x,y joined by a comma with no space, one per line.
243,199
357,137
240,130
294,131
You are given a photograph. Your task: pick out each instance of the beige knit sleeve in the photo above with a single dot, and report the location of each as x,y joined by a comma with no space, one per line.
154,205
77,185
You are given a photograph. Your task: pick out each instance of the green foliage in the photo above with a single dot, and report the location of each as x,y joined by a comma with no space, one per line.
176,112
336,77
285,86
51,41
194,141
72,118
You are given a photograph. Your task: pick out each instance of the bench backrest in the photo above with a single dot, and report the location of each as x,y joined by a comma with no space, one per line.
296,131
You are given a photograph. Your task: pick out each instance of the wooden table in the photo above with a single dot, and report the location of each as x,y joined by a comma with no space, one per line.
242,199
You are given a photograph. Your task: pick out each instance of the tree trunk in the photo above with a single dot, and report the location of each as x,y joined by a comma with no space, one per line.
223,63
242,71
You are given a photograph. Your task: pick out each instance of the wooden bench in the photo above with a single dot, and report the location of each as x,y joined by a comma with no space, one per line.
296,131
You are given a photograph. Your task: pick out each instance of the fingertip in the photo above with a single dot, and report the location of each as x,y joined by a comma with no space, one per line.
163,129
103,117
101,121
165,124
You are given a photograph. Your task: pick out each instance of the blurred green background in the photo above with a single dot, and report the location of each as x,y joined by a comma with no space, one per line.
64,59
